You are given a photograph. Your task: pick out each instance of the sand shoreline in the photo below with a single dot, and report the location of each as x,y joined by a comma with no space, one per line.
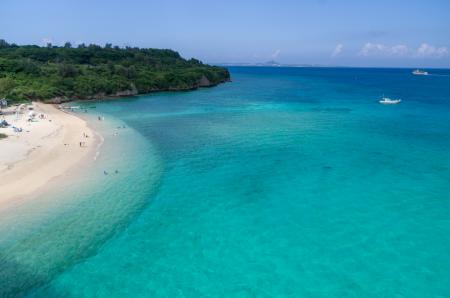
46,149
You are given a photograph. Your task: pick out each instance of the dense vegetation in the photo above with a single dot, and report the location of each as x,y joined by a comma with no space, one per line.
61,73
3,136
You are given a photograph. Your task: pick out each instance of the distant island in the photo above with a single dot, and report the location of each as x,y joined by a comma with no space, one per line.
57,74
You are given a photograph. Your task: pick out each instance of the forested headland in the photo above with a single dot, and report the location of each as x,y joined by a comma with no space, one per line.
62,73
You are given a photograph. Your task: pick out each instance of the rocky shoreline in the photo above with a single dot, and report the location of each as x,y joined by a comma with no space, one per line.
202,83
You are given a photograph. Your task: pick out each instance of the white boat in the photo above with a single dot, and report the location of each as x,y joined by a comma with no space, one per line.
419,72
388,101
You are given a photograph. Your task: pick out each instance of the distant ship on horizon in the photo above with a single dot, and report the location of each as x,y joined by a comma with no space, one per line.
419,72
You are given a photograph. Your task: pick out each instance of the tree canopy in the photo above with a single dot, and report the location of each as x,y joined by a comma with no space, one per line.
53,73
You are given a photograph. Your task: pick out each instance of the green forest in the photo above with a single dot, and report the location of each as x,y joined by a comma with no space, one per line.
63,73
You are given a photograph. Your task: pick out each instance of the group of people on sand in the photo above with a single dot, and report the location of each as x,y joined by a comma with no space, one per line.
83,143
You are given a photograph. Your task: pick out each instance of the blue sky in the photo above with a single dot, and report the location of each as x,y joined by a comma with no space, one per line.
414,33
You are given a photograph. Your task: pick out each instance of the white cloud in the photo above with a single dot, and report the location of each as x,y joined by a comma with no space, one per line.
275,54
426,50
370,48
377,49
399,50
337,50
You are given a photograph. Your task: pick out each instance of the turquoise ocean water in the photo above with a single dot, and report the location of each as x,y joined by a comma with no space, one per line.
287,182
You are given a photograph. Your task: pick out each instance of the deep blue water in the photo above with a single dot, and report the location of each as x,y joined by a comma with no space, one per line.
287,182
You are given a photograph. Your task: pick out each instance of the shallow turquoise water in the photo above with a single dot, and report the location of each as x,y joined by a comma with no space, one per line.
284,183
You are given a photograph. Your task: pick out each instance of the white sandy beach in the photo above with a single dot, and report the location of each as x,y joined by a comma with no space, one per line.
46,148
